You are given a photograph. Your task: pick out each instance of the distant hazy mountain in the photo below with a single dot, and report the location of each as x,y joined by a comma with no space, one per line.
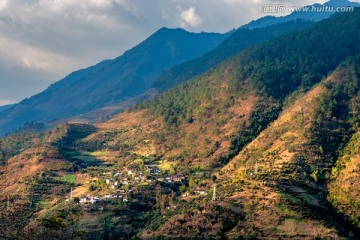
111,81
303,14
5,107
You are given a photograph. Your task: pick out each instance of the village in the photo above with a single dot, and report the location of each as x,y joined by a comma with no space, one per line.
119,185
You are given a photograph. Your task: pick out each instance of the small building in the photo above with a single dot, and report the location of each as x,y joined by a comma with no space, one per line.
200,191
178,178
150,180
160,179
125,182
89,199
108,196
169,181
153,169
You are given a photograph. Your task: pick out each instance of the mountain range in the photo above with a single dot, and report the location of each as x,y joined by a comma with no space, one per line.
111,86
264,144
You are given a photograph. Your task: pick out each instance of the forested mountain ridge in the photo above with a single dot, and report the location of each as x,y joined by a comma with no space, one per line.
274,129
249,34
111,81
237,41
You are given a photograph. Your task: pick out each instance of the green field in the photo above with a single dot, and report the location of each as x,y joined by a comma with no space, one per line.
165,165
97,154
68,178
42,203
84,158
139,160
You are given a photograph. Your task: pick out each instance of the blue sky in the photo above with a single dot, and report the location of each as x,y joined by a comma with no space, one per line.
41,41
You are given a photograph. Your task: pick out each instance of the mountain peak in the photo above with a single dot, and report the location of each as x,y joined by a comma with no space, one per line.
111,81
166,29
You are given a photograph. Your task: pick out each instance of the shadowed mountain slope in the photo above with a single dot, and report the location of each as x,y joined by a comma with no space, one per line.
111,81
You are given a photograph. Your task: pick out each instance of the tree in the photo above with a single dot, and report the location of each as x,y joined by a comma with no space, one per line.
191,183
128,229
182,188
214,178
158,195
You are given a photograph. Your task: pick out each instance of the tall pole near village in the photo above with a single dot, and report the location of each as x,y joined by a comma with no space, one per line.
214,193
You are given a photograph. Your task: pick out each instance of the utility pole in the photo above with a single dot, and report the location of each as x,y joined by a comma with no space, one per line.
214,193
256,168
8,203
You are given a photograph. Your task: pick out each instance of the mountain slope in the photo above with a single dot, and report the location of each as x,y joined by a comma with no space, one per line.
296,153
344,186
250,34
111,81
240,39
237,41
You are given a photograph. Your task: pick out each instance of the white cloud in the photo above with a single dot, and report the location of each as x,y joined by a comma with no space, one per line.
3,4
129,6
101,3
65,5
27,56
189,17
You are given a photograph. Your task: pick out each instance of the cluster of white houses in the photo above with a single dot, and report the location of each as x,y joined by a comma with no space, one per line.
122,182
151,175
90,199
